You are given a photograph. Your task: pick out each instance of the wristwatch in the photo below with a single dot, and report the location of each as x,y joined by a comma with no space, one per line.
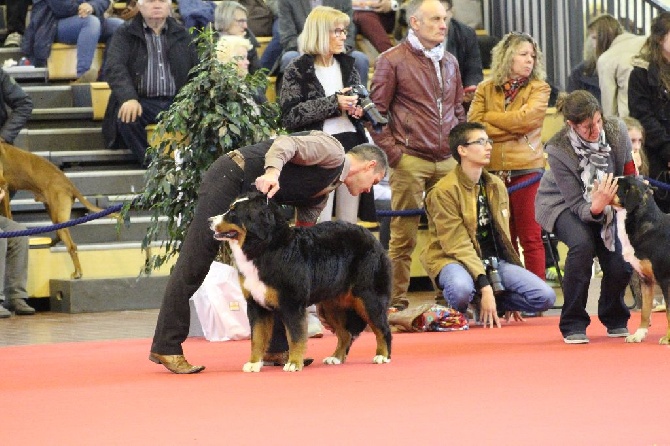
394,5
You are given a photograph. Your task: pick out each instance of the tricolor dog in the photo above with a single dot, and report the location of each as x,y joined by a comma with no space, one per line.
644,231
340,266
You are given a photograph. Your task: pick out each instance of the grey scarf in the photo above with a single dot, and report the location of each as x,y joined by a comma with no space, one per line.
593,161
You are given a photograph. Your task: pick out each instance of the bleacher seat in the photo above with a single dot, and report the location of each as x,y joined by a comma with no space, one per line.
62,62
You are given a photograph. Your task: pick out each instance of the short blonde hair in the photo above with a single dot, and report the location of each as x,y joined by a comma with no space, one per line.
315,36
502,58
227,44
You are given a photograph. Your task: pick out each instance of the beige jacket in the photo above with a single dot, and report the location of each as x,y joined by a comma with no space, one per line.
515,130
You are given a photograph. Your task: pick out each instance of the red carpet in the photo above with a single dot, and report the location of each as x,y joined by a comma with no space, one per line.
515,386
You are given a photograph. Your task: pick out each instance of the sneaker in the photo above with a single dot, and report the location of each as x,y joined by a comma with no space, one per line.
314,327
4,313
551,274
20,307
576,338
13,40
617,332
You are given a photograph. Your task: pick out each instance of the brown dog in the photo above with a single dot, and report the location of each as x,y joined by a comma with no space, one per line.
644,231
22,170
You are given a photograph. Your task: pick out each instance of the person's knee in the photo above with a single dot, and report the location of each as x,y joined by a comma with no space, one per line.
92,24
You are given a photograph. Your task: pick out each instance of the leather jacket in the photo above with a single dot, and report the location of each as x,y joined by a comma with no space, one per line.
405,88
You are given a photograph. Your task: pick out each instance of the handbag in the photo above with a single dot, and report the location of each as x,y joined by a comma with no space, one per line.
220,305
428,317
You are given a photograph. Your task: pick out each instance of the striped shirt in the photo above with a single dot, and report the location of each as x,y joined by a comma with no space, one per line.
157,80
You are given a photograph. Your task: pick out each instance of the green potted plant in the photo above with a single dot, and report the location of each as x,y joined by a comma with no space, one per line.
214,113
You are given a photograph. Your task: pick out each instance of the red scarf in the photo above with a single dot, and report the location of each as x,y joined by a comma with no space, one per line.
512,87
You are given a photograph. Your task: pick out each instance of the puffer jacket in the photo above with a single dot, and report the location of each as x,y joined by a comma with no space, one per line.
405,88
515,129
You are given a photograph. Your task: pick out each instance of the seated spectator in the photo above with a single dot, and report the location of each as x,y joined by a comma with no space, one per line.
196,13
230,17
468,223
75,23
17,11
235,49
315,94
615,49
375,19
292,16
142,86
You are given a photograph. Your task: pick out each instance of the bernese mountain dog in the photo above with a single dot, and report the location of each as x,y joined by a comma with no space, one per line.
644,231
340,266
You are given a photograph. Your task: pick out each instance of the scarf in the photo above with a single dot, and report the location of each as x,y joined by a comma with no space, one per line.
512,87
593,161
436,54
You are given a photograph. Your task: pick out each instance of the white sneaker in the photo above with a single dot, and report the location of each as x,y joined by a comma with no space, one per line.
13,40
314,327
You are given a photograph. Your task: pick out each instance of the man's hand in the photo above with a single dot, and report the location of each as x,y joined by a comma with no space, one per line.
602,193
516,315
268,183
130,110
84,10
380,6
488,314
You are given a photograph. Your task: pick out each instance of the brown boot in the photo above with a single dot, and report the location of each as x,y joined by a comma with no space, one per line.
175,363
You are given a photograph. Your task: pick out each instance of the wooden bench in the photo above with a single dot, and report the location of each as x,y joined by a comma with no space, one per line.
62,62
100,92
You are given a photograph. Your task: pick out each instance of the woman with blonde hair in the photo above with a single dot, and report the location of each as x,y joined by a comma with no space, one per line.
230,18
316,94
512,105
232,48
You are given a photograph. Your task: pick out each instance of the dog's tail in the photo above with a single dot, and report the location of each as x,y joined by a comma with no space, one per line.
90,206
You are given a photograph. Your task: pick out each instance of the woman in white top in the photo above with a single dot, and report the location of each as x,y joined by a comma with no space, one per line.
315,95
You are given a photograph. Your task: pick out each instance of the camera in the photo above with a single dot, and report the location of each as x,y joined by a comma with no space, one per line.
493,275
371,112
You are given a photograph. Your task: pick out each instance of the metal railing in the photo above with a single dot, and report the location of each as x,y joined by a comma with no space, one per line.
559,25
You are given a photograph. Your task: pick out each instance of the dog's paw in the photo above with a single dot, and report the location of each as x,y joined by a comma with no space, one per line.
332,360
381,359
665,340
638,336
252,367
292,367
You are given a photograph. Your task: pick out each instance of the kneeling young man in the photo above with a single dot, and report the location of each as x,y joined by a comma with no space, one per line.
468,223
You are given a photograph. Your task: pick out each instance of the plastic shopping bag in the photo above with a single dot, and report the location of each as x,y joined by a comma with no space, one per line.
221,307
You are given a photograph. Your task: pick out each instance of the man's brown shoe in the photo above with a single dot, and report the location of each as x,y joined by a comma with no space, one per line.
175,363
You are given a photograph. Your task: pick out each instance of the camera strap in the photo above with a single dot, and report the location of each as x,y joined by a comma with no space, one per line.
482,191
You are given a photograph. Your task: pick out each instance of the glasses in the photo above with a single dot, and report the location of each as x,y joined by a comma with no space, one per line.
522,35
240,21
340,31
480,142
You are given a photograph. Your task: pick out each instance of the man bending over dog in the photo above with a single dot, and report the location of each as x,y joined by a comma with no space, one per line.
299,170
469,251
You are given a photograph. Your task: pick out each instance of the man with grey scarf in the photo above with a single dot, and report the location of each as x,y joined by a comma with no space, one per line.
417,85
573,202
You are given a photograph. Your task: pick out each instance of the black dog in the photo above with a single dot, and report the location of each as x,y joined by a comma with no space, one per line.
647,236
338,265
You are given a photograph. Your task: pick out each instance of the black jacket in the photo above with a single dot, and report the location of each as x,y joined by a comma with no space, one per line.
649,102
462,42
127,58
15,108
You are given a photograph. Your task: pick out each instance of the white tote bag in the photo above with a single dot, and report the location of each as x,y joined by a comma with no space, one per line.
221,307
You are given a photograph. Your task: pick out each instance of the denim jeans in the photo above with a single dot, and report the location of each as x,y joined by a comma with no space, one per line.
361,63
273,50
524,291
86,32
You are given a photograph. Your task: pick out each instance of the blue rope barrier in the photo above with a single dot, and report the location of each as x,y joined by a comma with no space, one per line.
67,224
412,212
657,183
